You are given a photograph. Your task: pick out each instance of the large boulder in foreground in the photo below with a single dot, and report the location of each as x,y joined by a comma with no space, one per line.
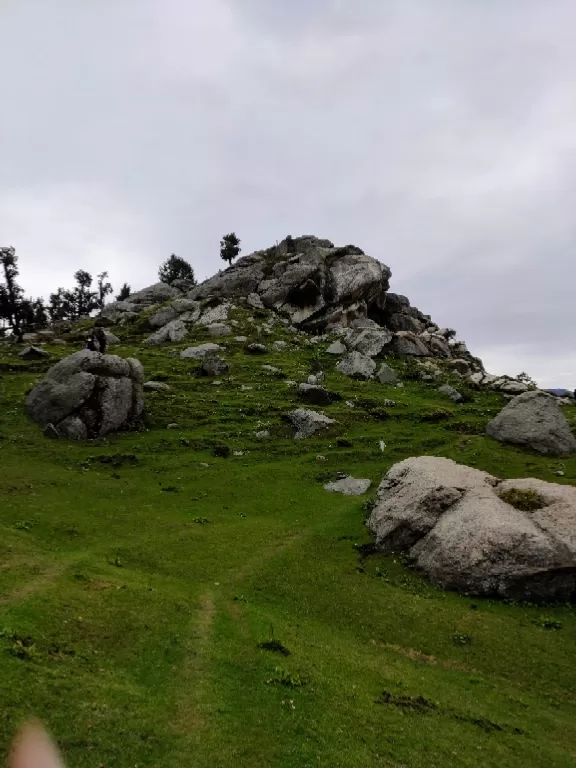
458,527
534,420
89,395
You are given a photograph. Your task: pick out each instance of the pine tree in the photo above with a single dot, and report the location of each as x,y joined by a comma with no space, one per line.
13,306
229,247
125,291
176,268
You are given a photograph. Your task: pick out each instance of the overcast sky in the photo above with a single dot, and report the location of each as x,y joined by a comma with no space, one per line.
438,135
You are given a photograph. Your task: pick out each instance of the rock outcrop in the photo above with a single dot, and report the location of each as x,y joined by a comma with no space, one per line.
457,527
534,420
313,286
89,395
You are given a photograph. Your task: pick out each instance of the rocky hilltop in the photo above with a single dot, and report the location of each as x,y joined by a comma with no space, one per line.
315,287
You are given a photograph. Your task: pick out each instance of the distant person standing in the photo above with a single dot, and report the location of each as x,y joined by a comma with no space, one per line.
91,343
101,340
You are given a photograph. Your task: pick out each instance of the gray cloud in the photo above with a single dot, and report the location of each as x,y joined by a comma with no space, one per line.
440,137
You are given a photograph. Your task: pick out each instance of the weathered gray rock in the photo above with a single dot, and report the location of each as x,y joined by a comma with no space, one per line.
337,348
154,294
368,341
451,392
88,394
111,339
280,346
534,420
199,352
349,486
156,386
308,422
219,329
254,301
461,366
174,332
213,365
314,394
405,343
189,307
162,317
271,369
307,280
513,387
257,349
386,375
33,353
357,365
73,428
215,314
241,339
456,528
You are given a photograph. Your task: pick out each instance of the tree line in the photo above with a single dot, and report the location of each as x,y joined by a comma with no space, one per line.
22,314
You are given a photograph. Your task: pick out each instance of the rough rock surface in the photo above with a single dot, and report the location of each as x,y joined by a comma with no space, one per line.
386,375
337,348
162,317
455,526
155,386
368,341
357,365
89,394
308,422
174,332
451,392
311,285
349,486
33,353
199,352
214,365
534,420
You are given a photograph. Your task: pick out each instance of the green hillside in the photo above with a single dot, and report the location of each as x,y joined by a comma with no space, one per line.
164,605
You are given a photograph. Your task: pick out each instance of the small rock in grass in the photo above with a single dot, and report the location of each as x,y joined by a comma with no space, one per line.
262,435
349,486
308,422
452,393
256,349
155,386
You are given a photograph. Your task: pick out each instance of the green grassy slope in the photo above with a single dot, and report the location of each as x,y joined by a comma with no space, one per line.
140,575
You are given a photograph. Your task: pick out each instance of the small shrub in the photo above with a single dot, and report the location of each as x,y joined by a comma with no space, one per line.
275,646
221,451
460,639
288,679
411,370
546,622
525,499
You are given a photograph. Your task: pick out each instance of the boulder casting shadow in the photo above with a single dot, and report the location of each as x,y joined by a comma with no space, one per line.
88,395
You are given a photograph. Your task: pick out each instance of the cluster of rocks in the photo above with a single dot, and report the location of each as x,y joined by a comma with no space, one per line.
457,526
312,286
88,395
